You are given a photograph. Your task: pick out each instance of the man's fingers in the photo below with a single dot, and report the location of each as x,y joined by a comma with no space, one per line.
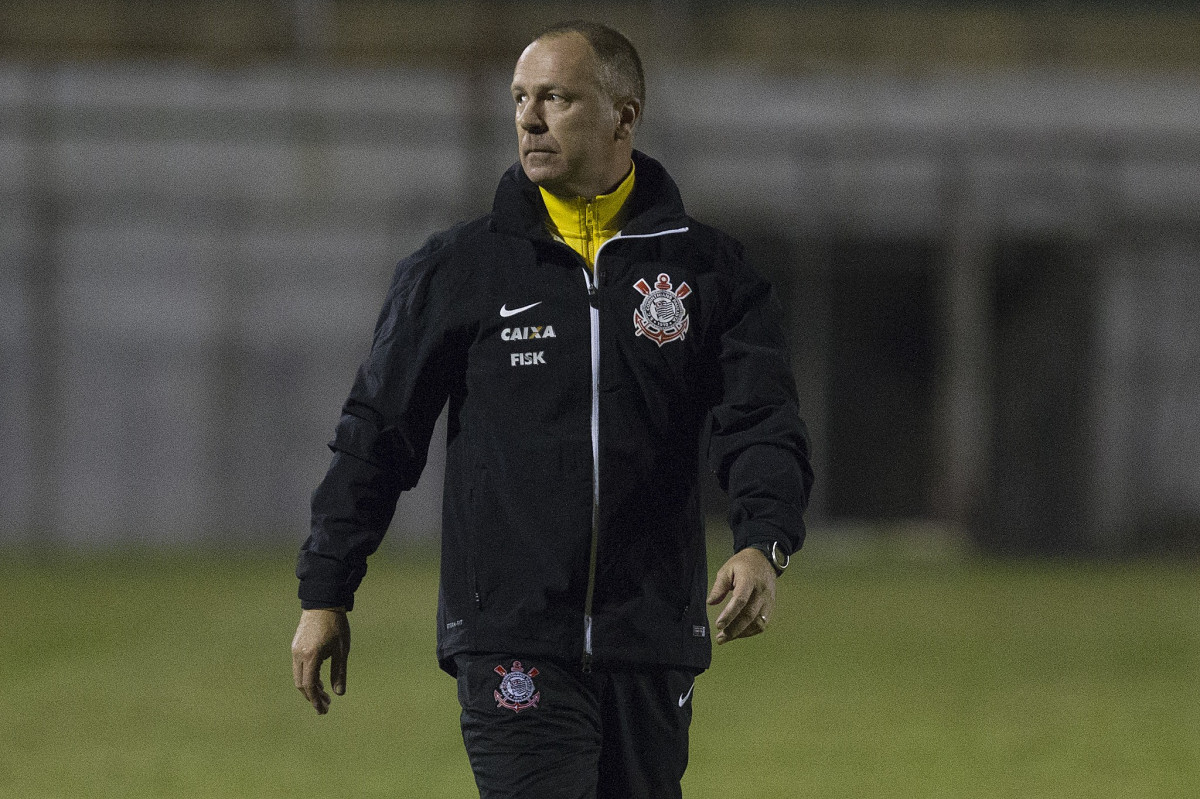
750,618
297,669
312,688
753,630
734,618
746,618
754,622
308,682
721,586
302,673
319,698
733,609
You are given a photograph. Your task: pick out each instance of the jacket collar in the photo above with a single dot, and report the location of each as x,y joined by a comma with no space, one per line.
655,204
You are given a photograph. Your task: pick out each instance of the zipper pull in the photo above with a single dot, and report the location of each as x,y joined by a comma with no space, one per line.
593,295
587,644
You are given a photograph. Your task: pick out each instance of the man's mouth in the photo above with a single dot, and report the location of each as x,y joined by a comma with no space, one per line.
537,147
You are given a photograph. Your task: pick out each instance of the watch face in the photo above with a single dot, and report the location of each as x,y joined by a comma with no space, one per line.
779,559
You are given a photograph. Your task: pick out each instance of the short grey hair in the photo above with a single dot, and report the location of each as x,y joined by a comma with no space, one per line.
620,67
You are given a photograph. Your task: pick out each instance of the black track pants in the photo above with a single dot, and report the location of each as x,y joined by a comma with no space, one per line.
540,729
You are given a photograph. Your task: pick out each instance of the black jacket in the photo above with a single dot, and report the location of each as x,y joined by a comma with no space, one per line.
537,557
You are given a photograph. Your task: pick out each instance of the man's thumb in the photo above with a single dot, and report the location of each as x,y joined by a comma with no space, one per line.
337,671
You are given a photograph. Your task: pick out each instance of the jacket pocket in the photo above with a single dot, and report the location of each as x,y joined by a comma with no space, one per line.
472,548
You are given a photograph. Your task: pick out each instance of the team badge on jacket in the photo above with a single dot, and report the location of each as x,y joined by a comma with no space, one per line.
516,691
661,317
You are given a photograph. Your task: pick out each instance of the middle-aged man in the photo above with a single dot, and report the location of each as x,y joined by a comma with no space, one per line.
588,335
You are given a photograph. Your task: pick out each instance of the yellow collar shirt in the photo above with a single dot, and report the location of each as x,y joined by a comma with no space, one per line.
585,224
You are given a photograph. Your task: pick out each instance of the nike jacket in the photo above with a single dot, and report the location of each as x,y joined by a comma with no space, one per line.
578,405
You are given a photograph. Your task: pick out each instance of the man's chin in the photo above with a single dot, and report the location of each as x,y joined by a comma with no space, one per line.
541,168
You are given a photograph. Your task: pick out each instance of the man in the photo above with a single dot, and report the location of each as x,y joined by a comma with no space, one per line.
586,333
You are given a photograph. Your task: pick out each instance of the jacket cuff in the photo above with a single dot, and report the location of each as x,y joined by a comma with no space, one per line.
757,533
316,594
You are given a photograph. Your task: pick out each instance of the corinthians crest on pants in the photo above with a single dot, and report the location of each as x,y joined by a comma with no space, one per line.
516,689
661,317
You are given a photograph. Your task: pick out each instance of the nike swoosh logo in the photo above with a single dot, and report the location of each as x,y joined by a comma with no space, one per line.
504,311
683,699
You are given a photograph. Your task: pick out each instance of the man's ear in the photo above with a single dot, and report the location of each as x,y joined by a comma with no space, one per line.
628,112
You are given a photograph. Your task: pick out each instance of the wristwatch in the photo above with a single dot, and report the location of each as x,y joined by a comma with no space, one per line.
776,555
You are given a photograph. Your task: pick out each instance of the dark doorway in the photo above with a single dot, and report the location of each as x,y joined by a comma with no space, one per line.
882,378
1043,319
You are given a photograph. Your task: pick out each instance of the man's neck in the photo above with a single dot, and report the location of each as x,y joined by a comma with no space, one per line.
599,188
585,223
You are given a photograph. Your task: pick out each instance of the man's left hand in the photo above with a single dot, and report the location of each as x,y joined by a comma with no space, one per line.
748,579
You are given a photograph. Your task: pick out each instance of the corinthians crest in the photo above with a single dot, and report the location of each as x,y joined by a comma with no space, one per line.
661,317
516,689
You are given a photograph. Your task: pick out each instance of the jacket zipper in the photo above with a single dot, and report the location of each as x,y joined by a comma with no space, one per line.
593,289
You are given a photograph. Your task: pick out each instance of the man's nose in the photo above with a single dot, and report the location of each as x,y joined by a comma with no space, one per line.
529,118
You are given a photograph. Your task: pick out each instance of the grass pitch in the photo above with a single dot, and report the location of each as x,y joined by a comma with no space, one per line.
883,675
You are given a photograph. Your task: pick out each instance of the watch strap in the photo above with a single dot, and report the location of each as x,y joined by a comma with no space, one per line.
775,554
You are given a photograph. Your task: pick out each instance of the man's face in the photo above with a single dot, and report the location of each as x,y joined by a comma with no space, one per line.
570,134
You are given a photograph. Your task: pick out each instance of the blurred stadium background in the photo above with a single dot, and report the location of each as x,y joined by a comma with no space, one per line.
983,219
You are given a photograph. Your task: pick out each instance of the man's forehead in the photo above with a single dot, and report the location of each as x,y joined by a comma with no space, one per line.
561,60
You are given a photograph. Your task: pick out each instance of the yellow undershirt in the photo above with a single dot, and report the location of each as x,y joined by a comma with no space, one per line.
585,224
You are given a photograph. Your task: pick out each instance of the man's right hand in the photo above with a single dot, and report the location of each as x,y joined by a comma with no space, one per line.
321,634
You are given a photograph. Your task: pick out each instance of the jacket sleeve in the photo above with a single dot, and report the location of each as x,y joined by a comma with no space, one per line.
758,445
382,438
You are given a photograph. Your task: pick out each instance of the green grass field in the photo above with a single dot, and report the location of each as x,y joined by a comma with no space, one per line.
884,675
